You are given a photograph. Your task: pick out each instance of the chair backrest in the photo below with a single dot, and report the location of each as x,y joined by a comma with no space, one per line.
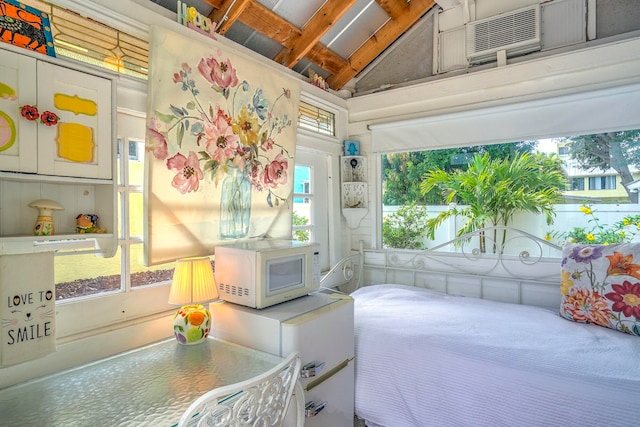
261,400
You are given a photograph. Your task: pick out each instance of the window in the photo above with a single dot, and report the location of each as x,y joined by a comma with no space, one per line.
133,149
89,41
451,205
86,275
577,184
310,208
302,226
316,119
602,183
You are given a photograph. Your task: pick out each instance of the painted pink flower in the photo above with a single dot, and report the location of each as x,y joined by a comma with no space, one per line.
179,76
254,176
221,74
275,173
30,112
587,307
49,118
156,143
189,173
220,141
267,144
626,298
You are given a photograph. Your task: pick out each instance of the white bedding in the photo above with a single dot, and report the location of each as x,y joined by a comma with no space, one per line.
428,359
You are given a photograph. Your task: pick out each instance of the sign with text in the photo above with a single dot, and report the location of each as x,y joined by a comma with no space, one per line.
189,16
27,306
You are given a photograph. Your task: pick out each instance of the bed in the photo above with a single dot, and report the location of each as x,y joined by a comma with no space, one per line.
425,357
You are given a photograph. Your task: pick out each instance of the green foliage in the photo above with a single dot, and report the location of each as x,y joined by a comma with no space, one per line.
609,150
300,235
404,171
493,190
405,228
622,231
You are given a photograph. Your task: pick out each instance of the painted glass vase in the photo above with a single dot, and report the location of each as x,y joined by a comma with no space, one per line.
235,205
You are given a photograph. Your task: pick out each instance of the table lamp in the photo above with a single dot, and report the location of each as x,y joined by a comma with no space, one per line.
193,284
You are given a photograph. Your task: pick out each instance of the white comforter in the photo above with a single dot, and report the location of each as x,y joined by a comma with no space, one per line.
428,359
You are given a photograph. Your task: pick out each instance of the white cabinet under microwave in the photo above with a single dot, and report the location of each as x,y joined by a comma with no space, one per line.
320,328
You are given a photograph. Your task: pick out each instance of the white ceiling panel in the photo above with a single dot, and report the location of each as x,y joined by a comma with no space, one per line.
355,27
298,12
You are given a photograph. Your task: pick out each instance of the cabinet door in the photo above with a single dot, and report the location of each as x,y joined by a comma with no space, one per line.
81,143
17,134
338,392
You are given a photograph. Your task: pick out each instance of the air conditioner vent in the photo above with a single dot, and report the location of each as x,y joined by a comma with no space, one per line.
516,32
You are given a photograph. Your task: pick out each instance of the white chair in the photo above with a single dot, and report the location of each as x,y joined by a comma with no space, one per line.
262,400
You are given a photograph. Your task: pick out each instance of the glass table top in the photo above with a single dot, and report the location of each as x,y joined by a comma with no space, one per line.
149,386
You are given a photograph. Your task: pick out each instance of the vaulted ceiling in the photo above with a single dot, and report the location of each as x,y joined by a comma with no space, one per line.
336,39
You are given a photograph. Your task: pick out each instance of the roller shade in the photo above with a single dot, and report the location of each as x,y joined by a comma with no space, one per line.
578,114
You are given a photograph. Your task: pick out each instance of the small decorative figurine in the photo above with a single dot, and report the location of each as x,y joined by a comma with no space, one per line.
351,148
88,223
44,222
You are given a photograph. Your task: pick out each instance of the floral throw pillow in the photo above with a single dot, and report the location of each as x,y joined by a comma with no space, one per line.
600,284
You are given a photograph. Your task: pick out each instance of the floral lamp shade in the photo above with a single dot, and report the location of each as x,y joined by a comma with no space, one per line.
193,284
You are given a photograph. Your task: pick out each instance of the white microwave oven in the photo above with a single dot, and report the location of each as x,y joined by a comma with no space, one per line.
263,273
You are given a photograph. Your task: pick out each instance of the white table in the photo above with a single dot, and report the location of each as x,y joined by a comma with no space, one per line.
148,386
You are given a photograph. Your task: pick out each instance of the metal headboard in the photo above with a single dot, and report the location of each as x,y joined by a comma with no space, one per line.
499,263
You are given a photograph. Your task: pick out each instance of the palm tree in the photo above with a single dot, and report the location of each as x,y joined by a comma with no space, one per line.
491,191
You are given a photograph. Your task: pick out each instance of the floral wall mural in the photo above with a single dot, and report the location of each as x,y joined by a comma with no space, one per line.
221,134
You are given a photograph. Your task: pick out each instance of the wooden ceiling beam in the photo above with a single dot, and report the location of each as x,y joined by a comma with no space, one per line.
266,22
330,12
218,4
276,28
326,59
394,8
227,12
382,39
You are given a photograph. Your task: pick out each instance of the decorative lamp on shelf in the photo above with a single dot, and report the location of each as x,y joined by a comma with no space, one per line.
193,284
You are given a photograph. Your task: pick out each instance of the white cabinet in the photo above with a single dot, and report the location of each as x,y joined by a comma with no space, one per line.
320,328
71,161
80,144
355,191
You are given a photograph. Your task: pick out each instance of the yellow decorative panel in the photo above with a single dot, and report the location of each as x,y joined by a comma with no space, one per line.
75,104
75,142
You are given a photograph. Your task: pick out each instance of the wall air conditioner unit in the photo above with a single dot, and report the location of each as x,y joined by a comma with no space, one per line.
517,32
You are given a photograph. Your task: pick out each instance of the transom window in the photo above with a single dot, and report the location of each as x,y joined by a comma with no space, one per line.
316,119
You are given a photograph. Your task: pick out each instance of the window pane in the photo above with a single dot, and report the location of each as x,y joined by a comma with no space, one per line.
316,119
87,274
457,201
136,165
142,275
136,219
302,204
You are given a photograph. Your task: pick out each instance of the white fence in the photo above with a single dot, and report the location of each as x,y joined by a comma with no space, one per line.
567,217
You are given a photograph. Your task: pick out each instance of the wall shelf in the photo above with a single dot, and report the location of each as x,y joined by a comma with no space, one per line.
355,190
62,243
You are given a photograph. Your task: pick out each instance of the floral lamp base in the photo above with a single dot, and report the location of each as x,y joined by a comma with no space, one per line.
192,324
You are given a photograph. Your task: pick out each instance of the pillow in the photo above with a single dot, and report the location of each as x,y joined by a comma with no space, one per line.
600,284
